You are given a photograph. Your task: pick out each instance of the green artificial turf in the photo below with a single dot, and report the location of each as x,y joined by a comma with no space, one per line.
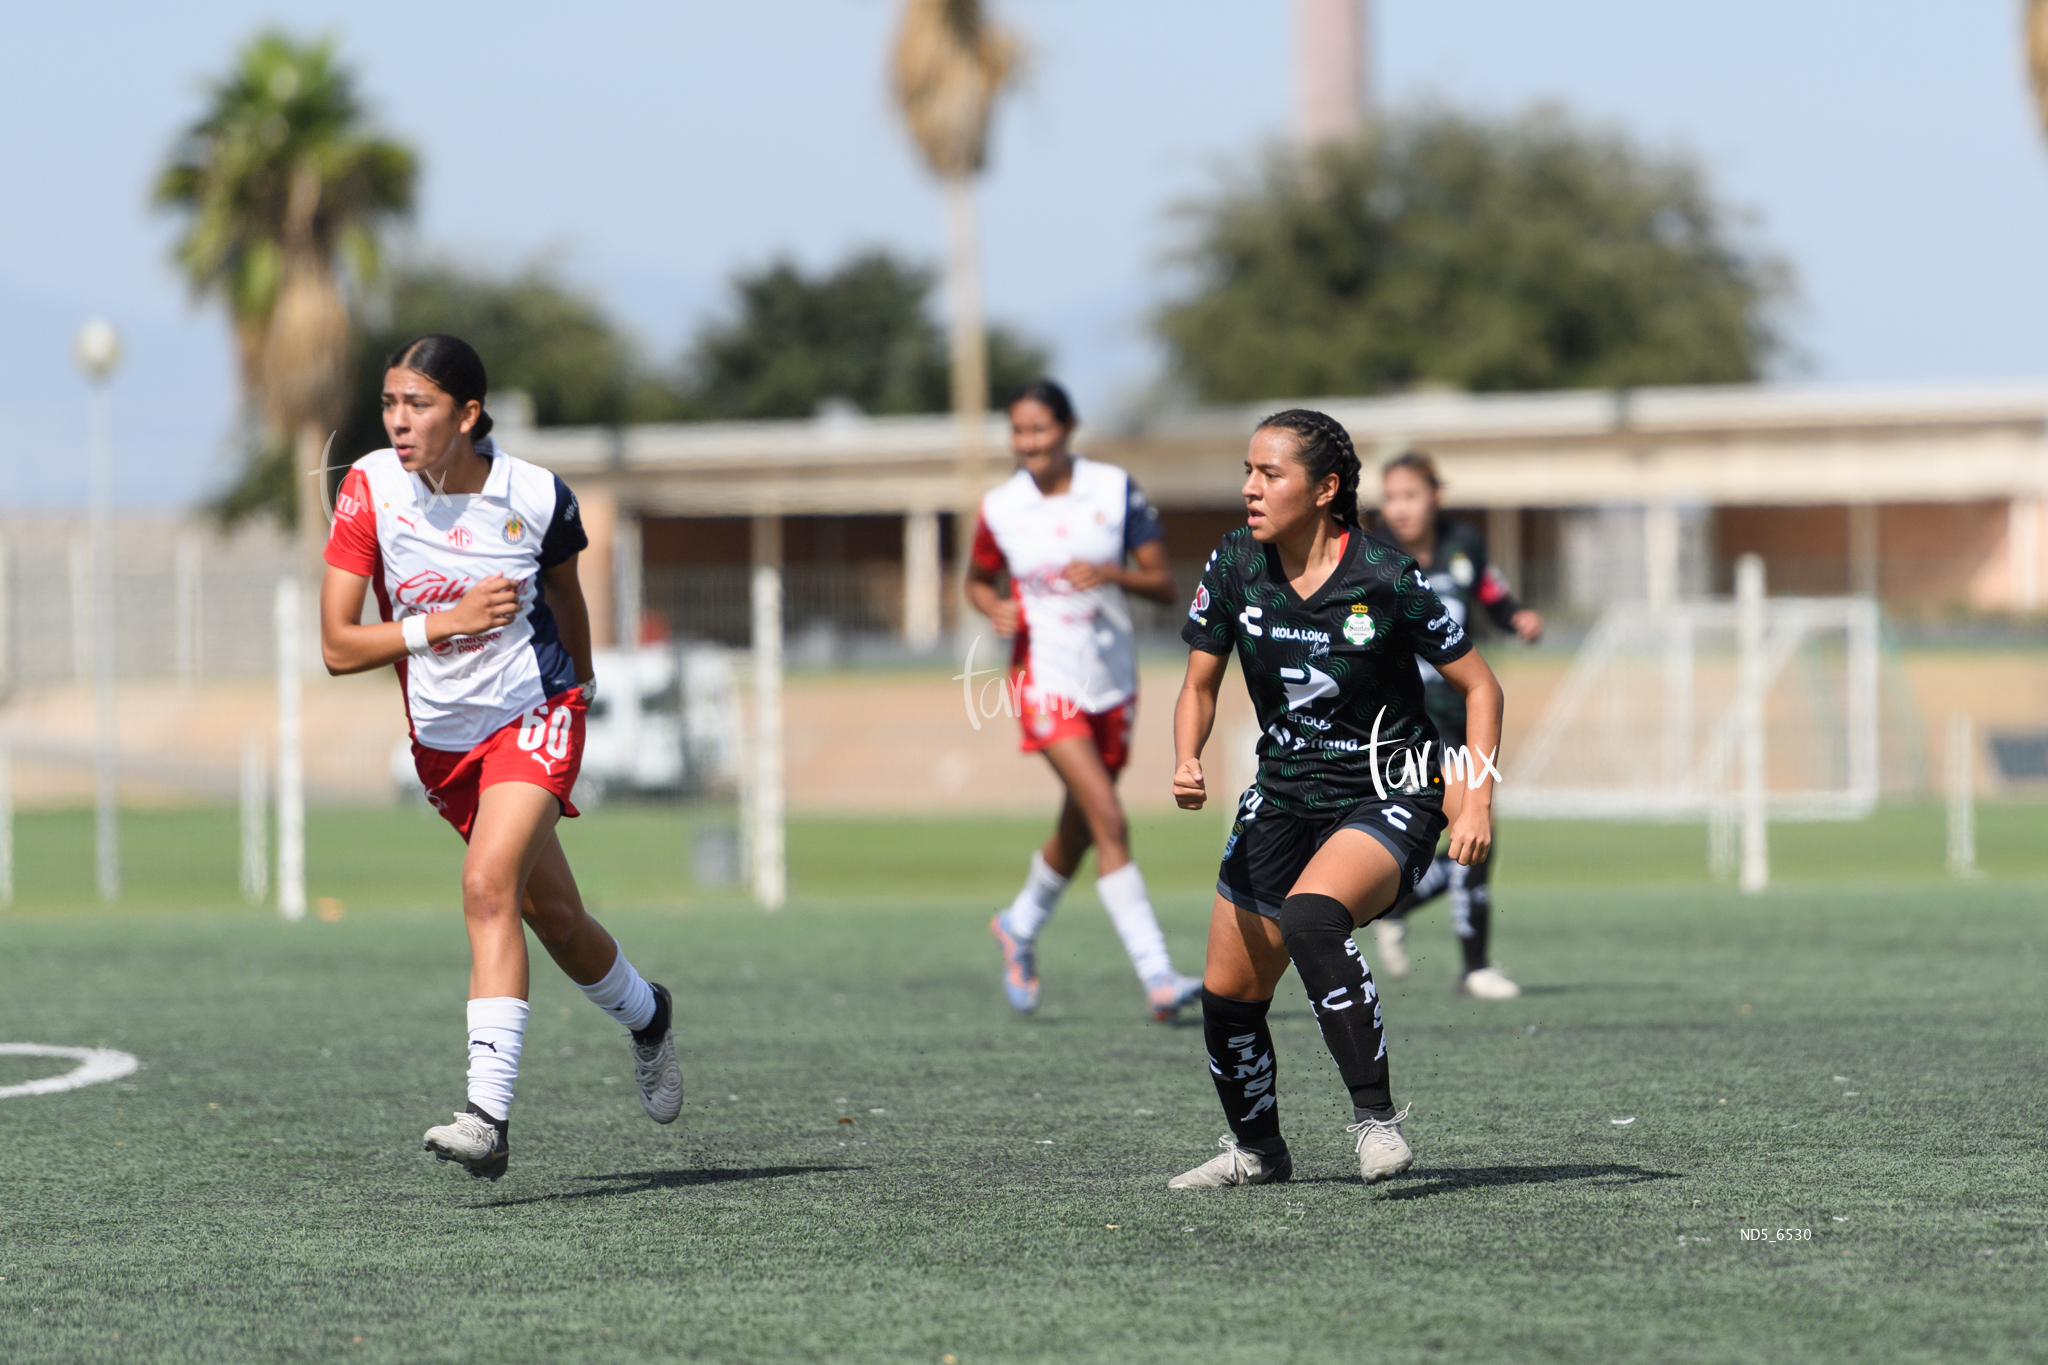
1856,1053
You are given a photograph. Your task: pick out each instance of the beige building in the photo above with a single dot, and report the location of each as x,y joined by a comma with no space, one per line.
1929,497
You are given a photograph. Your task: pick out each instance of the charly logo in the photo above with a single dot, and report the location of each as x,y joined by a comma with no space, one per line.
515,529
1359,625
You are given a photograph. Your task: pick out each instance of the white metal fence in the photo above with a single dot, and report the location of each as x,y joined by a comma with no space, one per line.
189,602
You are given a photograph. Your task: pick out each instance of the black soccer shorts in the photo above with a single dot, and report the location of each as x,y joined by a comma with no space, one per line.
1269,848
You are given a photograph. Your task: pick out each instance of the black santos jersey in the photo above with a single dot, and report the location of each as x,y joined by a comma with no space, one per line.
1459,573
1333,678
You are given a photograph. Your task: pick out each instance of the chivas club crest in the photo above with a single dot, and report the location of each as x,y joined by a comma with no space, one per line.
515,530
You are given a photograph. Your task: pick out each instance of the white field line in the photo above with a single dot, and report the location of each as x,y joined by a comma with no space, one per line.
95,1064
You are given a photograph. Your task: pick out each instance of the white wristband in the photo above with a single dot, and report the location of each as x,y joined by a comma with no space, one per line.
415,630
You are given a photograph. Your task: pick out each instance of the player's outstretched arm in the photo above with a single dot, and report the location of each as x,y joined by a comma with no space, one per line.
1470,804
572,614
348,646
1194,716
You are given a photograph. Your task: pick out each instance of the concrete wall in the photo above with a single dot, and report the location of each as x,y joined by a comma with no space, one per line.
868,741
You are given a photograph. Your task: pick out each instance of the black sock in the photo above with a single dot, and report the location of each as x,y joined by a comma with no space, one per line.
1472,910
1241,1063
1434,881
1341,992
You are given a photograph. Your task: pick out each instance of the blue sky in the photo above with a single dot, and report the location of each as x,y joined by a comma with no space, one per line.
649,149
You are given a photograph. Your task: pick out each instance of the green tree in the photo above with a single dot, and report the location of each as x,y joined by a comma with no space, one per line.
862,332
283,186
951,62
534,333
1531,253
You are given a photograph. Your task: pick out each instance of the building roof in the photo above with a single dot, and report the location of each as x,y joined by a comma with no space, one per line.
1736,444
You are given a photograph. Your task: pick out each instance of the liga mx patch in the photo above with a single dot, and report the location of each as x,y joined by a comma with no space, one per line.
1359,625
515,529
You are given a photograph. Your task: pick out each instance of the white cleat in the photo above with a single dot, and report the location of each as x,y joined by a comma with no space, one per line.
1383,1151
1390,936
1169,994
474,1141
1237,1166
1487,984
655,1072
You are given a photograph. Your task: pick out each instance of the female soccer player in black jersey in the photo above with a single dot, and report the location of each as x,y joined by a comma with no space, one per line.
1327,624
1452,554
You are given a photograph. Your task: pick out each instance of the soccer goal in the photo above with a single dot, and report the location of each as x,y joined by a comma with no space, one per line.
1695,710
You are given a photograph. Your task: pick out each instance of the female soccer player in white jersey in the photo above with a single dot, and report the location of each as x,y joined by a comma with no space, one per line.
1452,555
472,556
1074,536
1328,624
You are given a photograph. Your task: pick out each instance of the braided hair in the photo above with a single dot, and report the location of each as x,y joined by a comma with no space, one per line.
1324,449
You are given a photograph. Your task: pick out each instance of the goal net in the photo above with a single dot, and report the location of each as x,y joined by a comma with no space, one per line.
1651,719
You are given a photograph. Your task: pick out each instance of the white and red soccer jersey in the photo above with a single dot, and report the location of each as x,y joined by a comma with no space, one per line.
423,550
1076,643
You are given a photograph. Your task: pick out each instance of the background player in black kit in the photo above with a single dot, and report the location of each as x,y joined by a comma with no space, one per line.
1327,624
1453,555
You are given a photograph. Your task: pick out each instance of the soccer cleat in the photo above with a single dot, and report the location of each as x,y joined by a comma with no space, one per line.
1237,1166
1170,993
1390,936
1020,968
654,1062
1487,984
1382,1150
480,1143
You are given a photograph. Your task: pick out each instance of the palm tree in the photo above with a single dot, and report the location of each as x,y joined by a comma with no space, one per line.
282,185
951,63
2036,21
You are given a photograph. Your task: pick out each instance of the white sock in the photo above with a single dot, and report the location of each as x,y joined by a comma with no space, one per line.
497,1027
1130,910
623,994
1034,904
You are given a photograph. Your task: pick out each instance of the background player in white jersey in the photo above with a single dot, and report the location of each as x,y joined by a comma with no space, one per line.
1327,624
1452,554
1073,535
472,556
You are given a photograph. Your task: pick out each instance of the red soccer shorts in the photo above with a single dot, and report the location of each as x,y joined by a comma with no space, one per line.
1047,719
543,747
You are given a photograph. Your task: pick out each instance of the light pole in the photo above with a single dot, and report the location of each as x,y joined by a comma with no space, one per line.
97,349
